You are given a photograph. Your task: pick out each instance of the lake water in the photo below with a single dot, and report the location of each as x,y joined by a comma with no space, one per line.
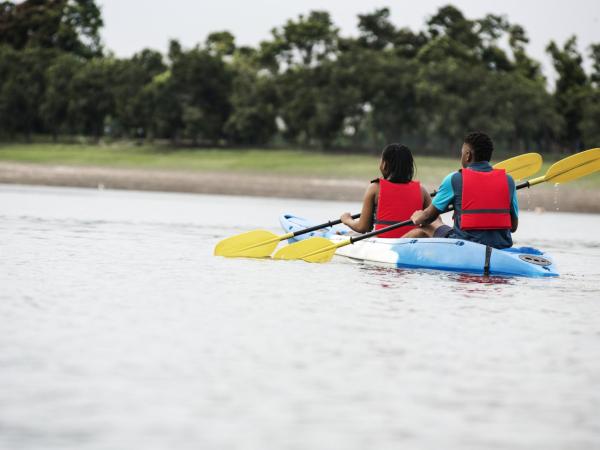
120,330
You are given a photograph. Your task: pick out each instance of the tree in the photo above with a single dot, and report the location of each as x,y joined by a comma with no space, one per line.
307,41
571,90
22,84
69,25
221,43
161,107
595,56
490,29
523,63
54,108
130,77
253,100
391,93
591,106
591,119
376,30
202,83
339,99
306,84
449,21
91,96
408,44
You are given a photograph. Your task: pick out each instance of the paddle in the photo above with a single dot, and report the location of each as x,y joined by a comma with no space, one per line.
319,249
570,168
522,166
261,243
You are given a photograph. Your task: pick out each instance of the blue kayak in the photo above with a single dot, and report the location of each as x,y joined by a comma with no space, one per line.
454,255
291,223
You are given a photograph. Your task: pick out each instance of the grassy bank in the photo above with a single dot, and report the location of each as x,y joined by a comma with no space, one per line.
282,162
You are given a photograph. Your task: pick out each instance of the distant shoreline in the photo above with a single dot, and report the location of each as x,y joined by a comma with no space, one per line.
568,198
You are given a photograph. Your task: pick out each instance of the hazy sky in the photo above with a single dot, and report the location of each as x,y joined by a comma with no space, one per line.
131,25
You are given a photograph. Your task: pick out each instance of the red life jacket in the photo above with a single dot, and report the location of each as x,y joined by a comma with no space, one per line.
485,200
396,203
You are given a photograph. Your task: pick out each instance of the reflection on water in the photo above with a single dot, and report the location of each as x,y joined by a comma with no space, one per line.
120,330
463,284
481,287
486,280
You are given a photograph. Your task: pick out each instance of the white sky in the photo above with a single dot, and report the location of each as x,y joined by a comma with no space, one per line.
131,25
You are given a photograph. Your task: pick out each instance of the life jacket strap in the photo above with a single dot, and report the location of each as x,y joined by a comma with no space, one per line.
386,222
486,211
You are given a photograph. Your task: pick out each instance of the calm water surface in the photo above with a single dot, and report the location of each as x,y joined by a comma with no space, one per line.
120,330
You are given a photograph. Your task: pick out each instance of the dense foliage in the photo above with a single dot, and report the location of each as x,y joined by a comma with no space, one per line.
307,85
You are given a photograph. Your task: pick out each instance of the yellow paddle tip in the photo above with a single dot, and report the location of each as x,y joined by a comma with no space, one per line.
521,166
574,167
253,244
316,249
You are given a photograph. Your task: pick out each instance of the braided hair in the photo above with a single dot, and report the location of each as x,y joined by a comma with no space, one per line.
481,144
399,163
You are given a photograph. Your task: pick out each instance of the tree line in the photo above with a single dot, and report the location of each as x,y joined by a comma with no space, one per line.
307,85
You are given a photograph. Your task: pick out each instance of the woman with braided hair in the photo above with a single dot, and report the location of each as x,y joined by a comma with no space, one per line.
394,197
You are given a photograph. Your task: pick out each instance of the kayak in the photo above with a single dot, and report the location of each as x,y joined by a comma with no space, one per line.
454,255
292,223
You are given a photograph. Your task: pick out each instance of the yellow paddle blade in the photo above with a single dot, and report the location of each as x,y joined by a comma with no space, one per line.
253,244
574,167
315,249
522,166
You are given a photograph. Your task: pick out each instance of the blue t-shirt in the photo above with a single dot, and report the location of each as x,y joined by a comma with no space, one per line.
450,192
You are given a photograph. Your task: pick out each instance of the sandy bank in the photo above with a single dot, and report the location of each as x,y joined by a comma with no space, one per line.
568,198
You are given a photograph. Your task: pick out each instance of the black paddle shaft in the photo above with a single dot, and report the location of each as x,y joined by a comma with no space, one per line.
390,228
383,230
323,225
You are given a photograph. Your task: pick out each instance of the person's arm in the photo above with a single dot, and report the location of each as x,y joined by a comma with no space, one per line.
425,216
514,223
363,224
437,206
426,197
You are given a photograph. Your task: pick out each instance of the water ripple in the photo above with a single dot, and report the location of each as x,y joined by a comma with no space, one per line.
121,330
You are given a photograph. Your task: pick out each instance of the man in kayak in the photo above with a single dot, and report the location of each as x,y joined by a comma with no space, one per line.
485,199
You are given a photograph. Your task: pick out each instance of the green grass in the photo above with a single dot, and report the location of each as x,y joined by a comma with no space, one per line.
430,169
286,162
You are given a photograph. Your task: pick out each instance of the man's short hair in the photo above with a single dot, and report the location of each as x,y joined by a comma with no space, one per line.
481,144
